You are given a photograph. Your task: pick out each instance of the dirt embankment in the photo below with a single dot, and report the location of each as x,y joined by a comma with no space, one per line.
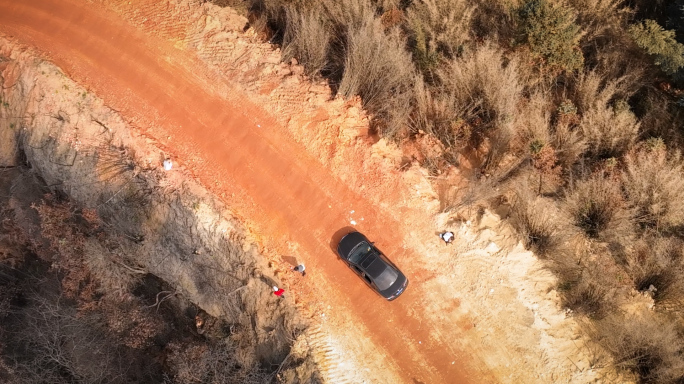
169,226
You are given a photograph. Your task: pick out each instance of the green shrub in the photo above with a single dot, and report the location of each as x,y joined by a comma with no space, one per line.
551,33
660,44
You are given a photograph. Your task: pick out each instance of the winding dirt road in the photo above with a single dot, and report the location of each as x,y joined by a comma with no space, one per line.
241,153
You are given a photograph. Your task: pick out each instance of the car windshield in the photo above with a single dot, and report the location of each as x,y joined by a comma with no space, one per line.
359,252
386,278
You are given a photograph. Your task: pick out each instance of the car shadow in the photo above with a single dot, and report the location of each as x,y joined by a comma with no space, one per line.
337,236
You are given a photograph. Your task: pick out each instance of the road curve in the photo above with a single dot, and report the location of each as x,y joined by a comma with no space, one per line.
234,146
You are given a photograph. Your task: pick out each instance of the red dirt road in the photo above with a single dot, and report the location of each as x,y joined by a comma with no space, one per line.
237,150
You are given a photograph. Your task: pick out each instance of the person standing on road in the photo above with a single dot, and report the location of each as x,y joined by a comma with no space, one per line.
300,268
279,292
447,237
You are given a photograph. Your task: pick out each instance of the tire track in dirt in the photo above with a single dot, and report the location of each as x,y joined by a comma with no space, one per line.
235,148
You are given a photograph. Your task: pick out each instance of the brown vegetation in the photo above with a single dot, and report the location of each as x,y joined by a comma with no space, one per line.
557,94
74,309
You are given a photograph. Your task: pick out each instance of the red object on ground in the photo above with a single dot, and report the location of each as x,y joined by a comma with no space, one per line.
279,292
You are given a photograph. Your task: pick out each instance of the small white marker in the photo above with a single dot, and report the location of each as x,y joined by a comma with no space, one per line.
352,222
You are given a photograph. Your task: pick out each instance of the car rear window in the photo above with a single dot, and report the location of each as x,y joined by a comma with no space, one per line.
386,278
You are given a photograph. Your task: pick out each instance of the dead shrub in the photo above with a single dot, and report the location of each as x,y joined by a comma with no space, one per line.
113,273
656,265
493,20
213,362
67,237
267,18
349,14
438,29
609,131
653,181
380,70
645,344
482,88
545,162
590,293
565,138
57,345
434,114
307,38
593,89
597,207
539,224
606,124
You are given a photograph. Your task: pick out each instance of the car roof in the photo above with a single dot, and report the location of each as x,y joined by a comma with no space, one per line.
373,265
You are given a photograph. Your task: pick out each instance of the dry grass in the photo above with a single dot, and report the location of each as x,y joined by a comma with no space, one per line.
485,86
609,131
114,275
597,207
435,114
592,89
607,127
482,88
349,14
307,38
534,120
539,223
659,115
656,265
493,20
591,294
438,29
212,362
599,17
569,144
654,185
379,69
645,344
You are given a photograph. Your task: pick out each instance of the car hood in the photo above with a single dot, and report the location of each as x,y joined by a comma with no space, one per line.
348,242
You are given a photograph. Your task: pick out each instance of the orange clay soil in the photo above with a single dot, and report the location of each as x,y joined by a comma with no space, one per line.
236,149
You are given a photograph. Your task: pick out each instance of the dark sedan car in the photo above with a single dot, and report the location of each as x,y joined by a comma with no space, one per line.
371,265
